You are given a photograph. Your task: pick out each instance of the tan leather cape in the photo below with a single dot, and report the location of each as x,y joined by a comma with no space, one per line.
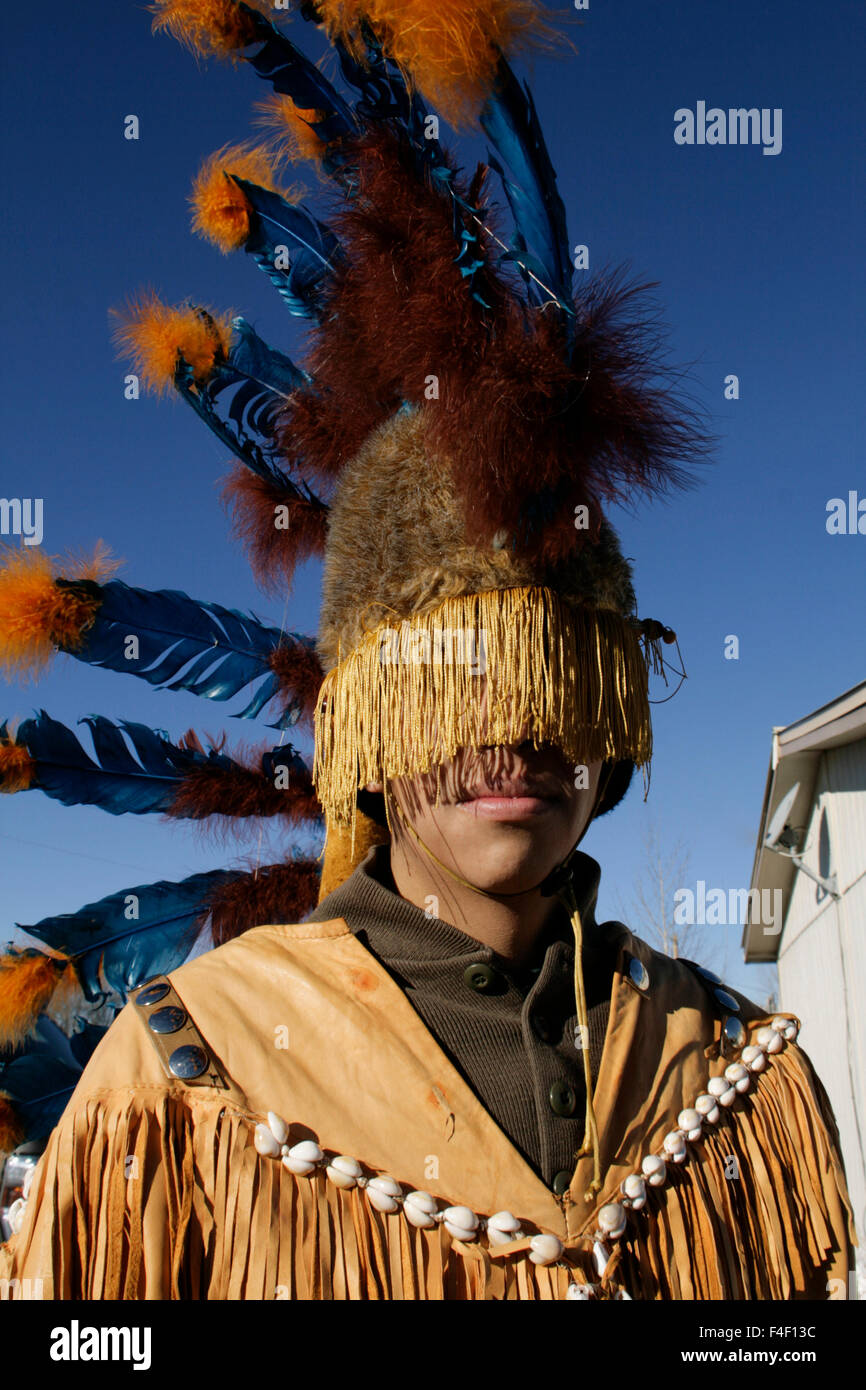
152,1188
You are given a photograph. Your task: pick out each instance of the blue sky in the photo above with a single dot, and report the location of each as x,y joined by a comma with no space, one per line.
761,274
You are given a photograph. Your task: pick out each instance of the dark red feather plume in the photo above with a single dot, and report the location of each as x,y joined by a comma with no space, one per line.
274,551
273,893
299,671
530,427
230,794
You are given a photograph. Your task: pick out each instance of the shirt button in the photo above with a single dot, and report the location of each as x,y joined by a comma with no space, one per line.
562,1182
563,1100
481,977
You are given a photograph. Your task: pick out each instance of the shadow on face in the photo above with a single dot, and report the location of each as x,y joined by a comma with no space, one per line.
501,816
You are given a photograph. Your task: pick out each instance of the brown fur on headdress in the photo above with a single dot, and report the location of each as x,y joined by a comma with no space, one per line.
397,548
299,671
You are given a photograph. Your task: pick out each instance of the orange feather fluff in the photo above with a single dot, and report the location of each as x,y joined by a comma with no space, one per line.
296,138
11,1129
27,982
211,28
154,334
221,212
35,615
17,768
448,49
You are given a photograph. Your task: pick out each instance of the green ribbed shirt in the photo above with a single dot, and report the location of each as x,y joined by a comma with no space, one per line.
514,1039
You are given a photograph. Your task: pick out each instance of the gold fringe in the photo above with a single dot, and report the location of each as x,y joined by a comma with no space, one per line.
407,699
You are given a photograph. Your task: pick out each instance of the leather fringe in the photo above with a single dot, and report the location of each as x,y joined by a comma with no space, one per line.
236,1226
751,1214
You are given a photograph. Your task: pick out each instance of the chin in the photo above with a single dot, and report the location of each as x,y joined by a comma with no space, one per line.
506,857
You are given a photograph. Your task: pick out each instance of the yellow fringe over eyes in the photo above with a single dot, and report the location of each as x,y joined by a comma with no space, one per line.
407,698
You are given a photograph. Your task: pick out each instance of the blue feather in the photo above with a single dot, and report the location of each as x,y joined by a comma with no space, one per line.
254,358
41,1077
384,95
228,649
541,235
116,782
291,73
312,247
241,400
110,947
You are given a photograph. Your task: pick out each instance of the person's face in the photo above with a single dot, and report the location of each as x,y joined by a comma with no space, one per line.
506,816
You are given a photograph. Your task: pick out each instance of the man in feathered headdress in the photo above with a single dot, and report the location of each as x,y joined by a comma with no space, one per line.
448,1081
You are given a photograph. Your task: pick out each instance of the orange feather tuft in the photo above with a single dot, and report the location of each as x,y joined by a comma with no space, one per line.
296,138
211,28
27,982
221,212
17,768
35,615
448,50
155,334
11,1128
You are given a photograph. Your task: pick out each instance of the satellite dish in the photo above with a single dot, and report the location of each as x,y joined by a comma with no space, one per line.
776,836
781,839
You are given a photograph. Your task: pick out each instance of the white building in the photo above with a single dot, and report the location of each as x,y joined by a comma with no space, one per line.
821,948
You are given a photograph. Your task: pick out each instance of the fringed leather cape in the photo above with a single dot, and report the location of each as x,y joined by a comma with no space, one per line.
153,1188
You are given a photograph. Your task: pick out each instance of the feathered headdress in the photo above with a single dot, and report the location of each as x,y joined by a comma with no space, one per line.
461,419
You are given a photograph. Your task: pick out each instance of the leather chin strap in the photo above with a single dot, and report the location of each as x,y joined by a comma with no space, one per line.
558,883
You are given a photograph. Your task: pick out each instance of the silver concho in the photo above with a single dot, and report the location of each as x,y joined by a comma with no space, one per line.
188,1062
167,1020
152,994
638,974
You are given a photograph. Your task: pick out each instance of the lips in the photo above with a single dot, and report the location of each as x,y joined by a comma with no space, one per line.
511,799
514,789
